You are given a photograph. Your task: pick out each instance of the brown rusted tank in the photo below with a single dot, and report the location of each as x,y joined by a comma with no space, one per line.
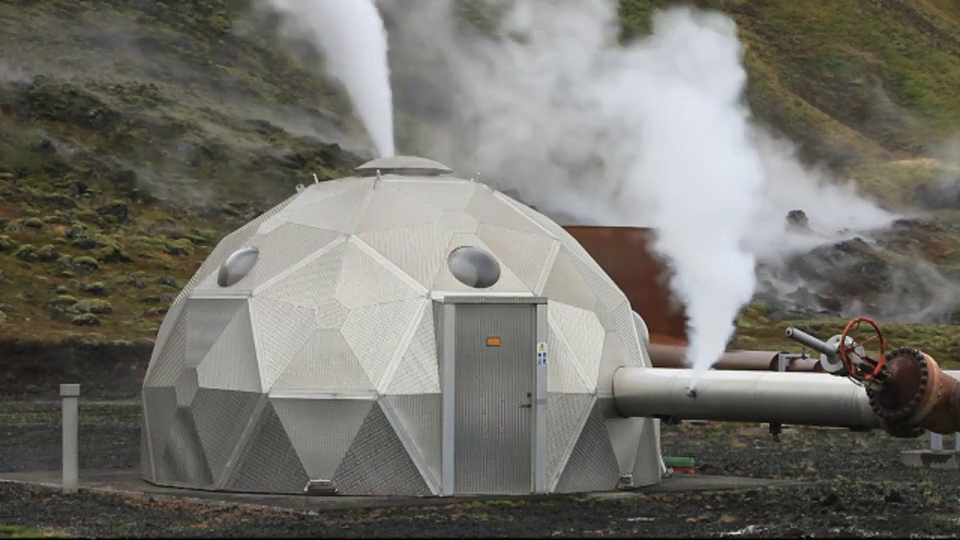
626,255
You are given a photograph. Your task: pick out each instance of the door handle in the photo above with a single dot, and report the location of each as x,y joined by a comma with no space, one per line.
529,403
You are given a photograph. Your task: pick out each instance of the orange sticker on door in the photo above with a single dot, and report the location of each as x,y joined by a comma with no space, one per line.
493,341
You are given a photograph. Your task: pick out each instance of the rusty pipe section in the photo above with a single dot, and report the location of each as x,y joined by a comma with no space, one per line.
743,396
673,356
917,396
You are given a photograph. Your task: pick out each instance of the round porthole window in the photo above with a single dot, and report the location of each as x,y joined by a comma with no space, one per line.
474,267
237,266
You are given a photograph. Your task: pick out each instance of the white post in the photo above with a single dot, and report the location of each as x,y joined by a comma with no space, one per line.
936,442
71,459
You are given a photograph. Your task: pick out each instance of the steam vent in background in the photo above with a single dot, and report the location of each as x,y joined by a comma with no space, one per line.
361,337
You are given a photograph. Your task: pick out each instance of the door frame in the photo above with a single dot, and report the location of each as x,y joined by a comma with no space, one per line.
447,346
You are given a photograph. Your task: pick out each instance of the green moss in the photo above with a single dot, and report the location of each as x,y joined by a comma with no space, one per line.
84,265
63,300
26,253
7,243
94,305
20,531
33,223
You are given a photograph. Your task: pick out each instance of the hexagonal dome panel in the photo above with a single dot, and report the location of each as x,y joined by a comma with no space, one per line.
316,358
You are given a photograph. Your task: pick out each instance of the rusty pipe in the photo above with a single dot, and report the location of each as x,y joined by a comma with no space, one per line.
673,356
917,395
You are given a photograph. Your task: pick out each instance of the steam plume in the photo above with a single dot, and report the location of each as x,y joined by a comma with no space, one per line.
353,39
652,134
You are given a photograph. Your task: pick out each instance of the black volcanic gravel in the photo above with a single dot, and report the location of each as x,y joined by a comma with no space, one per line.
859,489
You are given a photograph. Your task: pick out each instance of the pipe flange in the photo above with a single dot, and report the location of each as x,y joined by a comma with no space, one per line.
889,403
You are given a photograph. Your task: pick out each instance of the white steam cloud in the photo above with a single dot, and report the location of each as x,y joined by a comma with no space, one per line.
692,160
652,134
352,37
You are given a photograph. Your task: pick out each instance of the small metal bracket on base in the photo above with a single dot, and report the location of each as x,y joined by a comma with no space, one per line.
625,482
930,459
934,457
320,487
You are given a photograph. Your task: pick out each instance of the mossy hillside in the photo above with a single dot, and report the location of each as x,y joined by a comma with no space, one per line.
157,127
122,167
852,81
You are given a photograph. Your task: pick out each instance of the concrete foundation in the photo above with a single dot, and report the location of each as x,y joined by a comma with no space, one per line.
930,459
129,483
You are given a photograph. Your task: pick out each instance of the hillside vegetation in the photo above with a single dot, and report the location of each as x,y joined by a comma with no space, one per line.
133,135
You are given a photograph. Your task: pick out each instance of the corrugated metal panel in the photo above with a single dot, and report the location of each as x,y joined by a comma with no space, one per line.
526,254
592,465
567,415
459,222
566,285
228,245
186,387
311,285
146,462
206,320
366,282
624,435
488,208
418,371
493,432
159,410
166,328
336,213
166,368
283,248
564,373
620,319
582,332
377,463
419,416
547,224
183,460
509,282
313,195
220,417
231,363
646,470
391,208
269,463
441,194
282,330
376,334
322,430
325,364
418,250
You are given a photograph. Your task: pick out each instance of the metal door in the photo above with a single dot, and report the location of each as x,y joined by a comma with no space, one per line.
495,383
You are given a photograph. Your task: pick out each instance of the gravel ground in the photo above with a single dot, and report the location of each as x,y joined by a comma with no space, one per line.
860,489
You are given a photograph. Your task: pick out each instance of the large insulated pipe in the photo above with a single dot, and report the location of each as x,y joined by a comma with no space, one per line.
743,396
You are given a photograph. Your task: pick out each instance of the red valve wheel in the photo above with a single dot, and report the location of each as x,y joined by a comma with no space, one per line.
844,350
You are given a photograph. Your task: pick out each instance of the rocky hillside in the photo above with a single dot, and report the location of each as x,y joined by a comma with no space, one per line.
133,135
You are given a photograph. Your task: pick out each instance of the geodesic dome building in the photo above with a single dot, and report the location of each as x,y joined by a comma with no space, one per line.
400,332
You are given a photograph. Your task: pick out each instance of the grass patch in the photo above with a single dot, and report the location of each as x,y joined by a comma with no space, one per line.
21,531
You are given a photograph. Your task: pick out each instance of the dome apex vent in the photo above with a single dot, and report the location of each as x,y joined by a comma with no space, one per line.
405,166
